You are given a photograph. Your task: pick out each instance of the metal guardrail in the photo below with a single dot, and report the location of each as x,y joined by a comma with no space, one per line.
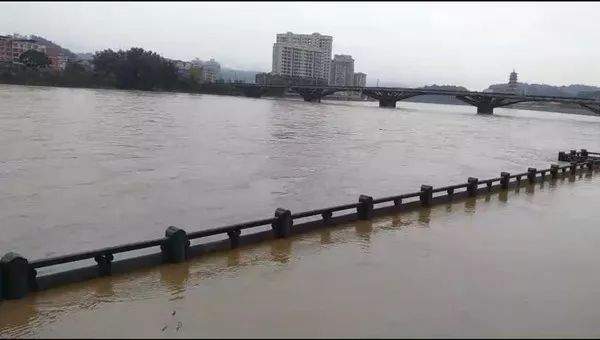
18,275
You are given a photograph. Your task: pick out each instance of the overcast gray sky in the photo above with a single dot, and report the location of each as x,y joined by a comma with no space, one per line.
469,44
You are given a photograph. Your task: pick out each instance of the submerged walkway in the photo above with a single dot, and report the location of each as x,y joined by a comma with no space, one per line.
507,263
19,276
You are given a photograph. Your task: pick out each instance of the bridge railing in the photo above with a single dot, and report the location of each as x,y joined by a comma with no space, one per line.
435,91
19,275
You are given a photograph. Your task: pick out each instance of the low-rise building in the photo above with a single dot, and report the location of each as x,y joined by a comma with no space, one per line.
211,70
58,61
204,72
5,48
183,68
12,47
19,46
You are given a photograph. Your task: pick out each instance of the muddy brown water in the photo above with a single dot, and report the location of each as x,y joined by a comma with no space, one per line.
82,169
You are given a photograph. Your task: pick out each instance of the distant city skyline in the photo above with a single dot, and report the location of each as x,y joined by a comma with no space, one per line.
413,44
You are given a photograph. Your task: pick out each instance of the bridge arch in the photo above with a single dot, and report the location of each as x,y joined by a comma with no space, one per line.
388,97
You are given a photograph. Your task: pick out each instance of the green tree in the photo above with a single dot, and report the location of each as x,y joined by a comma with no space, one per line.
136,69
34,59
195,74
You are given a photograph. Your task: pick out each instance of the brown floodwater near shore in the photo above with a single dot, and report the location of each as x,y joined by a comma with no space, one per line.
508,264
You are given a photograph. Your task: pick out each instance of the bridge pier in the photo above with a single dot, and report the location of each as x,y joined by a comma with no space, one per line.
311,99
387,103
485,110
253,91
388,97
485,104
313,95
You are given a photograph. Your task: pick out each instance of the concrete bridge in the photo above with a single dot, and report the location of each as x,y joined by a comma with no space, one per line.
388,96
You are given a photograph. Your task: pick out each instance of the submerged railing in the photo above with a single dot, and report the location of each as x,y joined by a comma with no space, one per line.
18,276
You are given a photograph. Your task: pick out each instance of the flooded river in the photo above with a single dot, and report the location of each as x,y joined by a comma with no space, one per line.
516,264
82,169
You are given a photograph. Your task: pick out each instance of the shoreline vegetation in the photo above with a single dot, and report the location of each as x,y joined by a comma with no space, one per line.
138,69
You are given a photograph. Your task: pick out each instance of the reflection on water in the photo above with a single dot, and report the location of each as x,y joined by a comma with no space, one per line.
174,278
281,250
424,216
481,256
233,258
325,236
470,204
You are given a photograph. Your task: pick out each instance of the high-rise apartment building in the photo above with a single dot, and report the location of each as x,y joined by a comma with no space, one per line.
302,56
360,79
342,70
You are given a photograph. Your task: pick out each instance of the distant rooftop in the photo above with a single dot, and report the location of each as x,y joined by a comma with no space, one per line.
313,34
342,57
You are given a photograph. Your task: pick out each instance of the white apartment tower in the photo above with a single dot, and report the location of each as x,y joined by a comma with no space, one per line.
302,55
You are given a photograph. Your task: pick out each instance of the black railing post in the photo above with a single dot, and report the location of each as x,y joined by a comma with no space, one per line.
176,245
16,274
365,207
234,238
562,156
472,186
33,286
531,174
282,226
104,262
504,179
426,194
572,155
554,170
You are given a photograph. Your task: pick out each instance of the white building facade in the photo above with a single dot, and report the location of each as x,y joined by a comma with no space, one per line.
302,55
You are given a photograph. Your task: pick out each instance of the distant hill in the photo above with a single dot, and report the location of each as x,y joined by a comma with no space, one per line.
436,99
575,90
67,53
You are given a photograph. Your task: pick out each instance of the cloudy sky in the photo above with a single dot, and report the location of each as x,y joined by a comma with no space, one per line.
469,44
